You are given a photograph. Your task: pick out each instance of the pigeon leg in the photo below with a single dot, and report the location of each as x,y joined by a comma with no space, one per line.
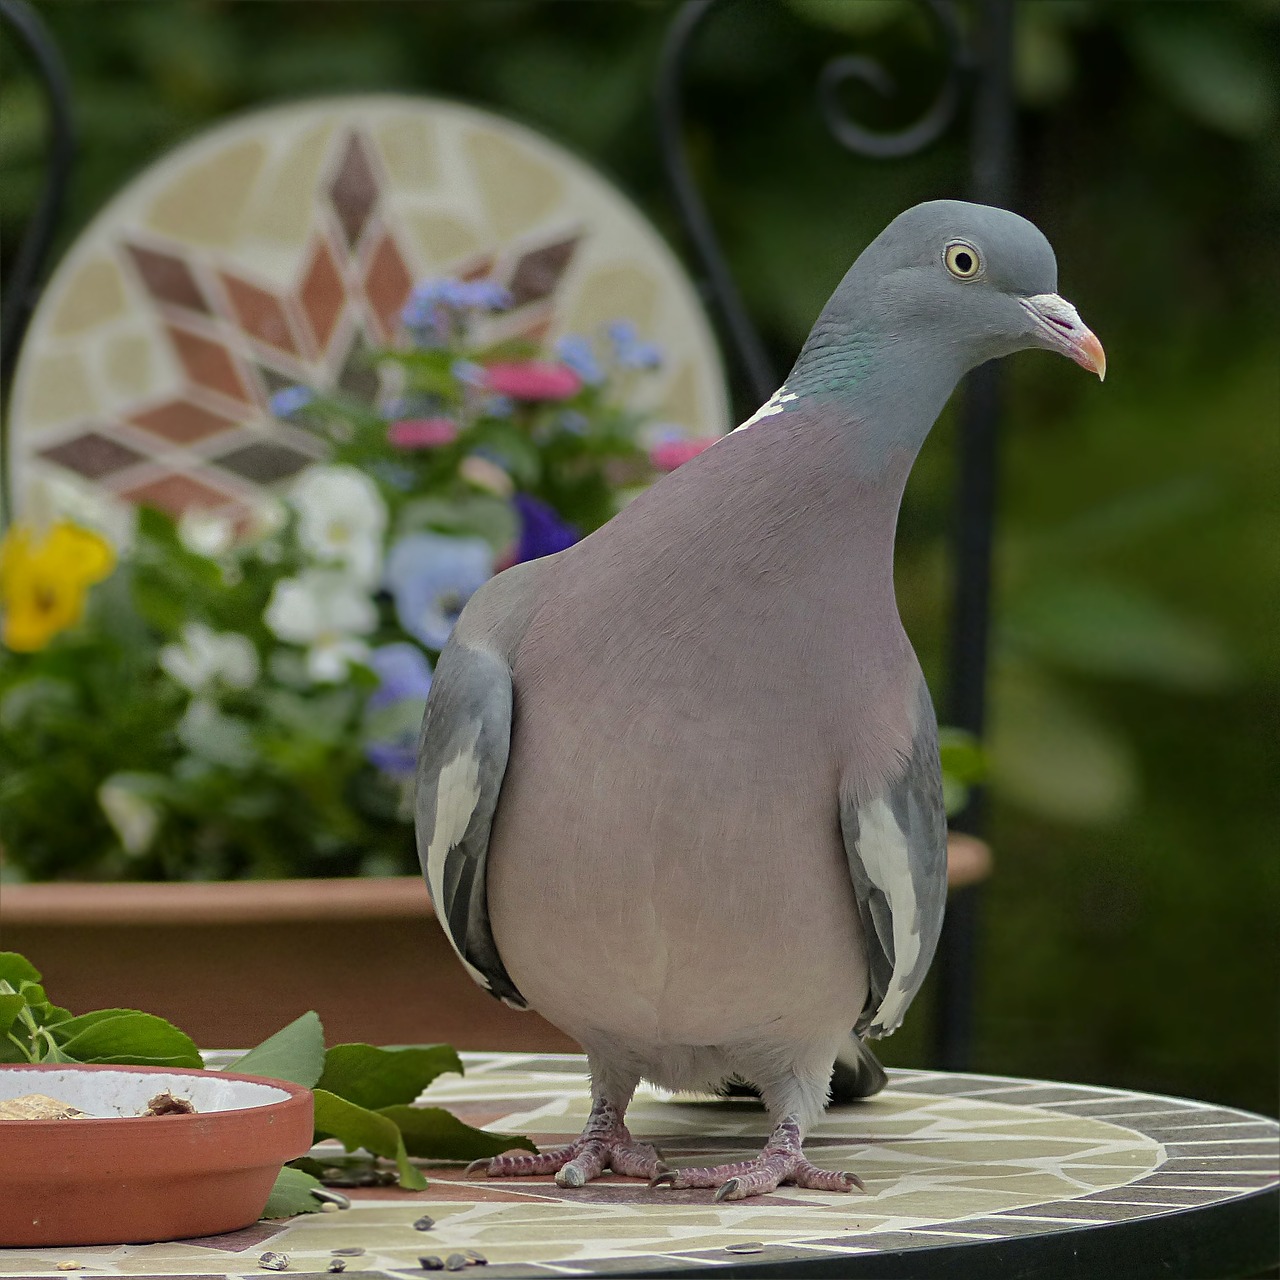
605,1143
781,1162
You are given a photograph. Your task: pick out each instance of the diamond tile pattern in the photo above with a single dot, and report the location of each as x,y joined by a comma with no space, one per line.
387,283
314,256
354,189
260,313
93,455
167,278
538,272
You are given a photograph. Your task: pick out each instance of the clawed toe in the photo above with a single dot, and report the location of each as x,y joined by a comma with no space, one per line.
727,1191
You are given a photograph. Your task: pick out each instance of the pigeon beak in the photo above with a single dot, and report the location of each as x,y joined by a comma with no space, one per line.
1059,328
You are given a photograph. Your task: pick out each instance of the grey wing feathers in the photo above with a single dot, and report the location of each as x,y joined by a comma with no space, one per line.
896,844
462,757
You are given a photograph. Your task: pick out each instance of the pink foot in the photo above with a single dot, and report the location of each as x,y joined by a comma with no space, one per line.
781,1162
605,1144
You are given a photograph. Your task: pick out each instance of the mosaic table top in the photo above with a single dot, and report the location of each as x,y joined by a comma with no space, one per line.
995,1176
280,248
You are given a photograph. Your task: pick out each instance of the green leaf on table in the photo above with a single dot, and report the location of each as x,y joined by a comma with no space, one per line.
128,1036
295,1053
292,1194
16,969
431,1133
355,1126
375,1078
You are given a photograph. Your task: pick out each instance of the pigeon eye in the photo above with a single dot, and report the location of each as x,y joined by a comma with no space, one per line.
962,260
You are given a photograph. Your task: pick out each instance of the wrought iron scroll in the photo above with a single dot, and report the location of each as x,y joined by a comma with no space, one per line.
22,286
989,74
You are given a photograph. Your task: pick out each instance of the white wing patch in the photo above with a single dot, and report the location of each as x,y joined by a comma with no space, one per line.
457,794
775,404
882,847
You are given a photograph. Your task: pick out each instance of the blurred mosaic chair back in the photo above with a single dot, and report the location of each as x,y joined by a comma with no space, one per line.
281,249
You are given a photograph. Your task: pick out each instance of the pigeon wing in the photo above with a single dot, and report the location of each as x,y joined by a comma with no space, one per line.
896,844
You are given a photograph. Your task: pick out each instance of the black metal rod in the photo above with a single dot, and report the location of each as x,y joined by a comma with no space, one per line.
756,365
22,286
991,182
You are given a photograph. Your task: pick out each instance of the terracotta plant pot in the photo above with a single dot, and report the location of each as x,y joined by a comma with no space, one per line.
230,962
131,1179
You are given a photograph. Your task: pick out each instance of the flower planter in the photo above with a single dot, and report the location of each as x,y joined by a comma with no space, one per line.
232,961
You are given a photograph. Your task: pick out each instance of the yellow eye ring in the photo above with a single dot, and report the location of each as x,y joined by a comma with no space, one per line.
962,260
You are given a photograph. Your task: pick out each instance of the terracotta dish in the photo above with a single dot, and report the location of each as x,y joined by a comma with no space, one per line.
121,1177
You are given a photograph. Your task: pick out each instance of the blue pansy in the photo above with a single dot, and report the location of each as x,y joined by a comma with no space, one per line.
576,351
399,759
431,577
403,672
542,532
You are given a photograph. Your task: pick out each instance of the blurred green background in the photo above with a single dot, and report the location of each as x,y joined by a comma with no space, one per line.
1130,932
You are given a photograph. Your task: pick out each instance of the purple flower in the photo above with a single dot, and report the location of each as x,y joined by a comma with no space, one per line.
431,577
403,672
399,759
542,532
575,351
629,351
289,400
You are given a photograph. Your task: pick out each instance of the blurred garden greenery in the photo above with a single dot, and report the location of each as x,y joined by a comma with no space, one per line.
1129,930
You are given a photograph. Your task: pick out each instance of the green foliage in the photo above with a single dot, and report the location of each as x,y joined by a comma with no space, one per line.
361,1092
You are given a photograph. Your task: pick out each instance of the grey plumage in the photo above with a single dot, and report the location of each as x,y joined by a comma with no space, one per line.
678,785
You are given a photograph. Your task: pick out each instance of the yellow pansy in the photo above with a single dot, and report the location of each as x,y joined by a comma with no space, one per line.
43,580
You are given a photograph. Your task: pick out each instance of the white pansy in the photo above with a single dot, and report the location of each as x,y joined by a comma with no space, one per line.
206,533
327,611
133,817
341,519
206,657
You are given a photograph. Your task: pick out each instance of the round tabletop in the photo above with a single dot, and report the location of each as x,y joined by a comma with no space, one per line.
965,1174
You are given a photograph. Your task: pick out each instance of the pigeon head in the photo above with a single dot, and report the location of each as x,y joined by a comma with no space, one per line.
946,286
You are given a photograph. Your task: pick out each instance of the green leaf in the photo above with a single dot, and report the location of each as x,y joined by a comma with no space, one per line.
355,1126
10,1007
128,1036
377,1078
432,1133
295,1053
16,969
292,1194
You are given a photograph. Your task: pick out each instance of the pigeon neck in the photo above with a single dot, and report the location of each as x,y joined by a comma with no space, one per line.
887,389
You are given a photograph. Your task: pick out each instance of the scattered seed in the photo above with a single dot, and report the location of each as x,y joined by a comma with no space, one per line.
274,1261
476,1259
335,1198
329,1208
748,1246
455,1262
348,1251
70,1266
336,1264
424,1223
431,1263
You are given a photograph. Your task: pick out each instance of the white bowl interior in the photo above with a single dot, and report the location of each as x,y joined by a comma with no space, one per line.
108,1095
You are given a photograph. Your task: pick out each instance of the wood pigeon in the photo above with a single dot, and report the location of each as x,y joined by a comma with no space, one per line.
678,785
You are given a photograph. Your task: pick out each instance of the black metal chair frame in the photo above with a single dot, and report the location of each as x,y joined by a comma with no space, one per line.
981,74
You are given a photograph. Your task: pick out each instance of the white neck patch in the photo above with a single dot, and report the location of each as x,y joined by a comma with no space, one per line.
775,404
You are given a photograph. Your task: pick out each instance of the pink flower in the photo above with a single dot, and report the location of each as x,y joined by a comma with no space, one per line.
671,454
532,380
422,433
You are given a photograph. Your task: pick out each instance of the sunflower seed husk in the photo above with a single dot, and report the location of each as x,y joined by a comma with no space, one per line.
476,1259
70,1266
455,1262
747,1246
431,1263
424,1223
348,1251
336,1264
335,1198
274,1261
